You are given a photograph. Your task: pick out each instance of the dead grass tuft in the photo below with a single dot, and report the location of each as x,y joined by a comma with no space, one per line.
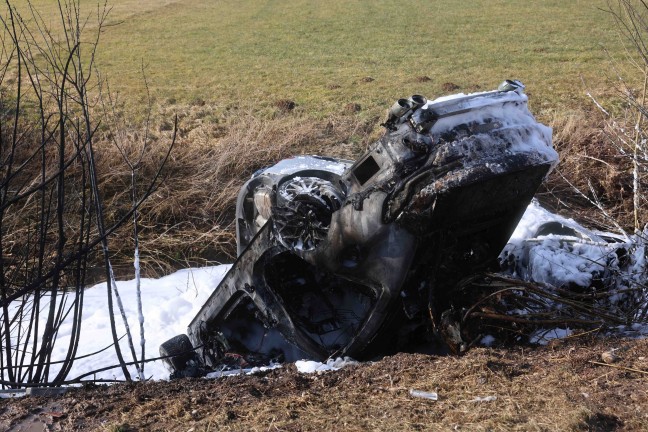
189,218
285,105
449,87
548,388
590,163
351,108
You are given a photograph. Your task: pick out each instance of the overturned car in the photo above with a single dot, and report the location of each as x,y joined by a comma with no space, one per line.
359,258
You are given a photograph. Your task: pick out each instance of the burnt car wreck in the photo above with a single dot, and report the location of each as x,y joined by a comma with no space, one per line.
360,258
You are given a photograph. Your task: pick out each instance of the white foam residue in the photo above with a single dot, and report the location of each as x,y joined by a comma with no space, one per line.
544,336
487,340
299,163
309,366
171,302
538,138
243,371
636,330
535,216
168,303
553,263
455,96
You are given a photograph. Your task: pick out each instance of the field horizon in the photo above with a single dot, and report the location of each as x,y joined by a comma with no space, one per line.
323,56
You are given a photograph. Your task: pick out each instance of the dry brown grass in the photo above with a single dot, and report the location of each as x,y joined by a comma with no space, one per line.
553,388
188,219
590,163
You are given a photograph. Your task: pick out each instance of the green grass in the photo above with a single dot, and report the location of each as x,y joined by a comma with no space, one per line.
318,53
205,58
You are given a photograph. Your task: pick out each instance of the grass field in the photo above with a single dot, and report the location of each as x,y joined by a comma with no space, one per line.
321,54
225,67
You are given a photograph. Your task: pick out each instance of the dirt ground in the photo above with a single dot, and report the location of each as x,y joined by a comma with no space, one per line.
563,386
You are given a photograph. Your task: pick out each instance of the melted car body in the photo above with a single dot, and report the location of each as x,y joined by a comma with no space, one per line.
358,258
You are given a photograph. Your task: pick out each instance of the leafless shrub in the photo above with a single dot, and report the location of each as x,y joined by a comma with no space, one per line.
52,222
603,176
589,169
618,165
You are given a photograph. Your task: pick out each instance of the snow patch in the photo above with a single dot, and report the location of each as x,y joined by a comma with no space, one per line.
309,366
171,302
544,336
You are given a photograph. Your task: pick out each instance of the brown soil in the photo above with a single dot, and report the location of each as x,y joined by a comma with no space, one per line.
557,387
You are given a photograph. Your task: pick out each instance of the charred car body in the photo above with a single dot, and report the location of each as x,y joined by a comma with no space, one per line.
358,258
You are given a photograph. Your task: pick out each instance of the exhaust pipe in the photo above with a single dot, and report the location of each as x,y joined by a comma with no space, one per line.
400,108
403,107
511,85
417,101
396,112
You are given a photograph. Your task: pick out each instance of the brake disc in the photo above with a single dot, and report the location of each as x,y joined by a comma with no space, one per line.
303,211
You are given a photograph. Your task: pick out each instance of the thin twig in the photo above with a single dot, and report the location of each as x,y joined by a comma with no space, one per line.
619,367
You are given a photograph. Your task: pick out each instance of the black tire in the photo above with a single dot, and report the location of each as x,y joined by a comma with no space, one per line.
178,351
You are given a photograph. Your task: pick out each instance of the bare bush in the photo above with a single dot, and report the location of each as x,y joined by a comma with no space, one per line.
589,169
52,221
609,169
603,176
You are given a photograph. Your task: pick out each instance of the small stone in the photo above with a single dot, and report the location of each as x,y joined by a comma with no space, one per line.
609,357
